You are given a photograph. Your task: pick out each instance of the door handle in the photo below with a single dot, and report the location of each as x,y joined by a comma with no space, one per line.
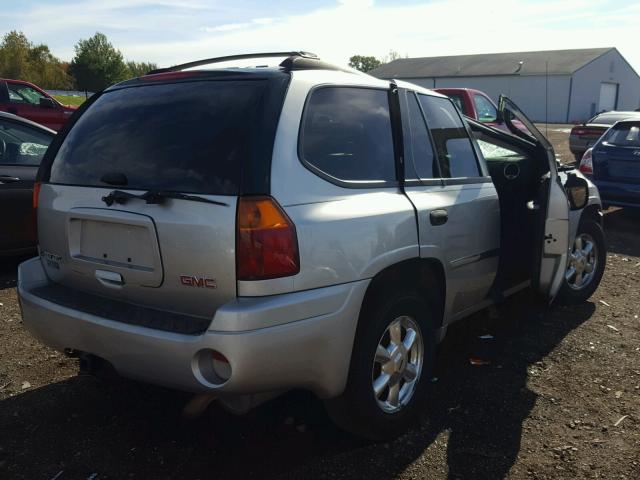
438,217
12,110
8,179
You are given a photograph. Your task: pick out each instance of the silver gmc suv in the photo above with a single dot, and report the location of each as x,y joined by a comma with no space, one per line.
244,231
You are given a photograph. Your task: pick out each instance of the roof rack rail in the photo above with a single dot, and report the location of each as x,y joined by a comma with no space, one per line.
290,56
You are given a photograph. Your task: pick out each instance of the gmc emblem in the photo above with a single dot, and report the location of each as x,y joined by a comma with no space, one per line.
201,282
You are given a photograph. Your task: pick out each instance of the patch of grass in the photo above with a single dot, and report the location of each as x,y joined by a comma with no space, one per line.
69,100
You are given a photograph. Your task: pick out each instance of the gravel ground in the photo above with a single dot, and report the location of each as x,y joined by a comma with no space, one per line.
561,399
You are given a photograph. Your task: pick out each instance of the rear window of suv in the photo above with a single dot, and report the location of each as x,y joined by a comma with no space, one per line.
190,137
624,135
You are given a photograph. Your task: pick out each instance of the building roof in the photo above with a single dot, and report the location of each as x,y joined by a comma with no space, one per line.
558,62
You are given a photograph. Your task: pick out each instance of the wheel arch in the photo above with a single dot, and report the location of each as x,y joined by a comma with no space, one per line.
427,274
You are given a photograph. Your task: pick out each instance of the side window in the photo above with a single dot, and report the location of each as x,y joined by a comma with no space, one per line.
423,158
452,143
23,94
346,134
20,145
485,109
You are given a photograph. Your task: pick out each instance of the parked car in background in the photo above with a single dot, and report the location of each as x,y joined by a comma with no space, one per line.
585,135
478,106
613,164
320,229
31,102
22,146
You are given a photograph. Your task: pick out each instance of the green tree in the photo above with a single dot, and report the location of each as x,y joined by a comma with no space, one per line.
364,63
14,55
49,72
97,64
22,60
137,69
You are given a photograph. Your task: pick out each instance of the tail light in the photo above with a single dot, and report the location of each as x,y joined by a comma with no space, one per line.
266,241
586,164
594,132
36,195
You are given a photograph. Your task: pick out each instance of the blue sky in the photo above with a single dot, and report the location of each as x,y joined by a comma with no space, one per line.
174,31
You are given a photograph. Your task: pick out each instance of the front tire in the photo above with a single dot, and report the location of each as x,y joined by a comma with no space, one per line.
391,364
586,264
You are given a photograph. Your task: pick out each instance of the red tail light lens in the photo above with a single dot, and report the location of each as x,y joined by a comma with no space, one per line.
36,195
586,164
266,241
595,132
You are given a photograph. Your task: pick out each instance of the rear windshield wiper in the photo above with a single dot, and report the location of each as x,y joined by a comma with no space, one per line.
156,197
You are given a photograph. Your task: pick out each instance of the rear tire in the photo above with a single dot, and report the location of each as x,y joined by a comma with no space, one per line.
586,264
382,361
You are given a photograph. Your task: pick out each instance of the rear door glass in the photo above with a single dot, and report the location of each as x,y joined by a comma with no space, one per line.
346,134
187,137
453,146
424,163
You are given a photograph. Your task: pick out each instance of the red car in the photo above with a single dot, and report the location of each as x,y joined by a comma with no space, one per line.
28,101
478,106
473,103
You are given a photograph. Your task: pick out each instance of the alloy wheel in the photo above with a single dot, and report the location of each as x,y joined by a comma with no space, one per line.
397,364
583,262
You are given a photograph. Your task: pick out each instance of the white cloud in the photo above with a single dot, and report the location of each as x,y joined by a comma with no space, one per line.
191,29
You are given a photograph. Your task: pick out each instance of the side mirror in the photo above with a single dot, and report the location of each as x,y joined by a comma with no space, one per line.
47,103
577,191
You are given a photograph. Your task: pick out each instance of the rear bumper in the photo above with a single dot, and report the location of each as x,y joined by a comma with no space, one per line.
620,194
577,146
580,145
305,346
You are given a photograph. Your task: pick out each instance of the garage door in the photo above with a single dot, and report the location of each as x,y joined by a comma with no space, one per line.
608,96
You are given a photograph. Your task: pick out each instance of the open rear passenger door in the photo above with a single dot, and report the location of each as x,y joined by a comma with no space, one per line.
550,258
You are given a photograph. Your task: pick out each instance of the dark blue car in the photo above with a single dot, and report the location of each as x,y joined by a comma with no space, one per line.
613,164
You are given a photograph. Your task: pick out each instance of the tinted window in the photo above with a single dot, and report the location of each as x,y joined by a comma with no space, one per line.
624,135
423,157
452,144
21,145
485,109
186,137
23,94
347,134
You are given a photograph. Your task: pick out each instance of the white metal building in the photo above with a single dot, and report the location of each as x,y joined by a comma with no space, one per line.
561,86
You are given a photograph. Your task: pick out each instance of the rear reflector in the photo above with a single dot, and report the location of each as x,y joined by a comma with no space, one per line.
266,241
586,164
36,194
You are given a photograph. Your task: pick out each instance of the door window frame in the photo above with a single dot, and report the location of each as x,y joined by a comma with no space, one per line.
483,171
408,140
